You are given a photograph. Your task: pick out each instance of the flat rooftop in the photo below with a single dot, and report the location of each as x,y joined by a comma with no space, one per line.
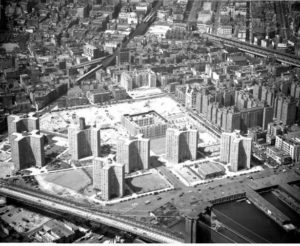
210,168
22,220
157,118
293,137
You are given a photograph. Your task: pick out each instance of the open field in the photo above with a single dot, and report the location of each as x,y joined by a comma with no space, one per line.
73,179
109,116
80,181
146,183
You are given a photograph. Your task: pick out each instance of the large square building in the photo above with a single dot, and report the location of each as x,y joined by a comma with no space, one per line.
150,124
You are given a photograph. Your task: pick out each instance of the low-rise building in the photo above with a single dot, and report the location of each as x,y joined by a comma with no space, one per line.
55,231
290,144
278,155
225,31
91,51
98,96
209,170
118,93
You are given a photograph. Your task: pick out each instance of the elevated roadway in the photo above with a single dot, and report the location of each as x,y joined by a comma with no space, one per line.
89,63
106,61
43,200
87,74
256,50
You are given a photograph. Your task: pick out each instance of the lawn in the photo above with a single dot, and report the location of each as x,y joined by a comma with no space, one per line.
146,183
73,179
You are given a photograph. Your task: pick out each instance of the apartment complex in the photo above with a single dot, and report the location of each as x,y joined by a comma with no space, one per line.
21,123
150,124
27,149
290,144
108,176
84,140
138,78
236,150
284,103
134,153
98,96
181,144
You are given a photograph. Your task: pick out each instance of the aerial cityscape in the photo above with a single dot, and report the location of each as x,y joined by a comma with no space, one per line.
149,121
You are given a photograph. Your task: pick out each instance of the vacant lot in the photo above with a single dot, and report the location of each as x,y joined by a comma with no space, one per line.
146,183
108,115
73,179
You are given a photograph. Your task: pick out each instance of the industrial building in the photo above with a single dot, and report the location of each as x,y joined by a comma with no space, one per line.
181,144
84,140
134,153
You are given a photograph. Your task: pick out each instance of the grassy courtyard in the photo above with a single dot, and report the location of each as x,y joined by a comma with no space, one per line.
146,183
73,179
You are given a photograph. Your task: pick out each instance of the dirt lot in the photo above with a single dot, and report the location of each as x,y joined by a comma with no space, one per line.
74,179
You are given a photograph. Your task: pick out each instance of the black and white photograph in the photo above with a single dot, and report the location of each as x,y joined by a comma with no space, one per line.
150,121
